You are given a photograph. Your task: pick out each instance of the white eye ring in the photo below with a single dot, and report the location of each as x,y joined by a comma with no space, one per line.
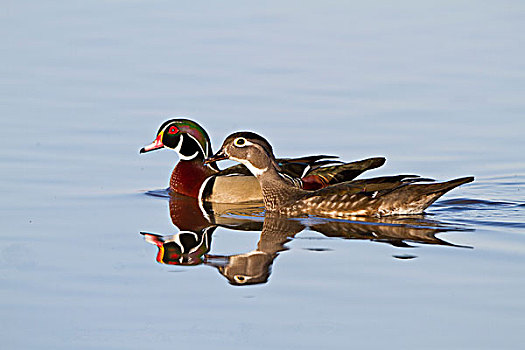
241,279
240,142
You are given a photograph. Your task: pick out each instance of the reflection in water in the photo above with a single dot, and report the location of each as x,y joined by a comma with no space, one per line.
196,224
184,248
395,231
255,267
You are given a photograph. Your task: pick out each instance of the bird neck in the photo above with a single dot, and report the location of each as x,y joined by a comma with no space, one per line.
277,189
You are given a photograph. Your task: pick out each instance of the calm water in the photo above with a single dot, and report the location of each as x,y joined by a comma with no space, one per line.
438,89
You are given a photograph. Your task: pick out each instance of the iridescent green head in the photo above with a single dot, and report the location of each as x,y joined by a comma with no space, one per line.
185,137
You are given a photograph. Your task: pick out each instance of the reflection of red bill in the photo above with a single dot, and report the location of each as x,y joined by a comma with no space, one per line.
154,145
153,239
159,242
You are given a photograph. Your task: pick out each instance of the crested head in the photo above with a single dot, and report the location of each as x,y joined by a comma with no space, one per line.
185,137
256,154
250,149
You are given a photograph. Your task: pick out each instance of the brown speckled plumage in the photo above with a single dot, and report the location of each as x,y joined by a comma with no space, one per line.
382,196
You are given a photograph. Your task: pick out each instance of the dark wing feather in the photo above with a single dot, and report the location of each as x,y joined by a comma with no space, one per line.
294,167
348,171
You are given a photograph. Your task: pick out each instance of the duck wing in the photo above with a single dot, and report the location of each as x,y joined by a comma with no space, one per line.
294,167
237,169
316,171
299,167
387,195
332,174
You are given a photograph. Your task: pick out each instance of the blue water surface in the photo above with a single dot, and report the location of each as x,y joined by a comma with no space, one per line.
436,87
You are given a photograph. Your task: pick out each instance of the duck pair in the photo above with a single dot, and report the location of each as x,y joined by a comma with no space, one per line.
315,185
192,177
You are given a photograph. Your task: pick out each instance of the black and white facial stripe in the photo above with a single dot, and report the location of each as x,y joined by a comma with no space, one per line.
189,148
184,144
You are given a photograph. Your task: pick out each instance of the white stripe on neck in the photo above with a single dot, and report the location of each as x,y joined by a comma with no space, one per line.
253,169
182,156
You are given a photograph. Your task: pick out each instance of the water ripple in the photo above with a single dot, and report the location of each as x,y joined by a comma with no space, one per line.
161,193
469,203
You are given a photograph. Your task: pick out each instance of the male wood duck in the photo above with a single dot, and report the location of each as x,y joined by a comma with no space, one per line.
184,248
380,196
191,177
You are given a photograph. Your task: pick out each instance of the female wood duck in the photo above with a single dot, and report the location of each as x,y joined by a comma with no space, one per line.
191,177
371,197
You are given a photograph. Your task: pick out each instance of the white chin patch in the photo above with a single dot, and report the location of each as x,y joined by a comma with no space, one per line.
254,170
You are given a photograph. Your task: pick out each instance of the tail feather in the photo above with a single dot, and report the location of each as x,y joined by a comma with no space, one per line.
415,198
444,187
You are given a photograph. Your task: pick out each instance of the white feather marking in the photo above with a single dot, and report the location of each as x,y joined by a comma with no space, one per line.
246,142
179,146
206,155
306,170
203,186
201,202
254,170
296,182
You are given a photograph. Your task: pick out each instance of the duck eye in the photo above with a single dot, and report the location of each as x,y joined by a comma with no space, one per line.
239,142
239,278
173,130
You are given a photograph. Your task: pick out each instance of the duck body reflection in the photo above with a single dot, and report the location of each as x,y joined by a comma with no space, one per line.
196,222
